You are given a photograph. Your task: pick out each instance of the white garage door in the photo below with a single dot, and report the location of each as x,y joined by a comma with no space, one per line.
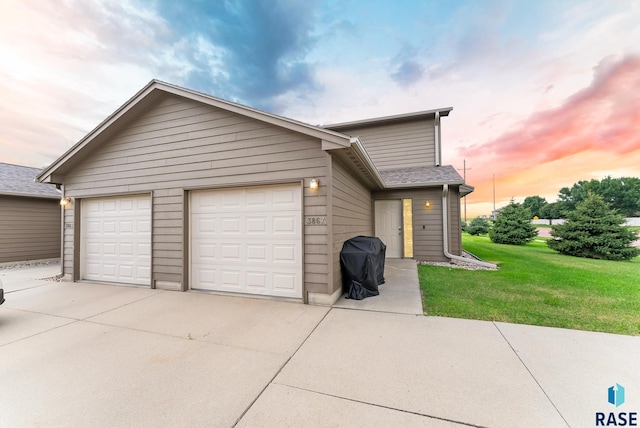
247,240
116,239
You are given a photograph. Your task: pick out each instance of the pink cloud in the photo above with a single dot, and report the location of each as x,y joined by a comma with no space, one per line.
602,117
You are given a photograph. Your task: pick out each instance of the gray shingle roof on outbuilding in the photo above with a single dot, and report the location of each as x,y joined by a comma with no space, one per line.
17,180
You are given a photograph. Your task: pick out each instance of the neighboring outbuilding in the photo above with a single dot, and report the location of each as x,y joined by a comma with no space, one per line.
29,215
181,190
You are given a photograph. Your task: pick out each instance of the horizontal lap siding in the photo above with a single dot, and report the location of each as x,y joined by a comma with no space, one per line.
427,221
399,145
180,145
455,222
352,214
70,227
29,228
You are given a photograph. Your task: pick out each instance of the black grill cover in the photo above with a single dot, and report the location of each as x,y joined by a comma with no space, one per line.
362,264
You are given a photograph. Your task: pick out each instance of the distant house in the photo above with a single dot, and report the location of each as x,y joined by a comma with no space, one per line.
29,215
181,190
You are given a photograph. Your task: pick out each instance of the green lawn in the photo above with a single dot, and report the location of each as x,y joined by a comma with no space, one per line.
537,286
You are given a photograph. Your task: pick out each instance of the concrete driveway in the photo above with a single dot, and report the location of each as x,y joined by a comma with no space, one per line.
83,354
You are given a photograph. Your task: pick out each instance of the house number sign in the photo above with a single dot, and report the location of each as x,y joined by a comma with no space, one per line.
315,220
68,225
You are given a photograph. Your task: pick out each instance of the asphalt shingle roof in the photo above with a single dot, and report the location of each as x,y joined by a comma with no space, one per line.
426,175
19,180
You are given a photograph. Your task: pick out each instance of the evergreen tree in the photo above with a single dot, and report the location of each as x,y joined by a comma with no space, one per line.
595,231
513,226
478,226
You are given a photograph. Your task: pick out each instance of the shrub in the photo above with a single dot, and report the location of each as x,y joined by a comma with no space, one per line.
478,226
595,231
513,226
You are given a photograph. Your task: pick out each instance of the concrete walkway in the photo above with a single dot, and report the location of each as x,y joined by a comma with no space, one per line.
399,294
82,354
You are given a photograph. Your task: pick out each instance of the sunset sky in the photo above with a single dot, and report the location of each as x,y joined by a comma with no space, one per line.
544,93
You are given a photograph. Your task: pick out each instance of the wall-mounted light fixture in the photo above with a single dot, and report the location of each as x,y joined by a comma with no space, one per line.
427,204
65,201
315,182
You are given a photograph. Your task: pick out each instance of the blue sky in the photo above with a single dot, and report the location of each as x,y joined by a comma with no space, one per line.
544,93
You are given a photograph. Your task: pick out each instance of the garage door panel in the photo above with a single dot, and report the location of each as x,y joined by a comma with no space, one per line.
246,238
109,249
257,253
125,272
230,226
285,225
231,200
204,226
231,279
230,252
144,226
203,252
116,239
143,273
257,199
144,249
284,281
285,199
109,206
256,225
284,254
257,280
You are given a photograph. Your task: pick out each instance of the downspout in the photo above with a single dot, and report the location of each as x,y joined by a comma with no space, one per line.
445,233
436,137
62,212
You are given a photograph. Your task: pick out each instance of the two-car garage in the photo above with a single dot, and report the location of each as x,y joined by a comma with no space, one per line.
241,240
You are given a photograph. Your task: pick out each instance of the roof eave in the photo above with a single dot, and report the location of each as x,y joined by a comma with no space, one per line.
29,195
360,151
465,189
422,184
444,111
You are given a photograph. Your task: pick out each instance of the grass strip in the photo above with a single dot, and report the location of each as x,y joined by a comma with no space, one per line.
536,286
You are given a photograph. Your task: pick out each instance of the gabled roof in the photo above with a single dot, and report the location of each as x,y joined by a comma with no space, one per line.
151,94
17,180
345,147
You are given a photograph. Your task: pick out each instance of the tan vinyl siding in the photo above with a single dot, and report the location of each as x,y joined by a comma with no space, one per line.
427,221
70,226
398,145
455,229
29,228
179,145
352,214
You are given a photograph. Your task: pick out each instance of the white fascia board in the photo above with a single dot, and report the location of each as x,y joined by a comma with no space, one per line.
444,111
361,153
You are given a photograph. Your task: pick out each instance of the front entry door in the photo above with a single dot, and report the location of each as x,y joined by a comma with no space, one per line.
388,216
